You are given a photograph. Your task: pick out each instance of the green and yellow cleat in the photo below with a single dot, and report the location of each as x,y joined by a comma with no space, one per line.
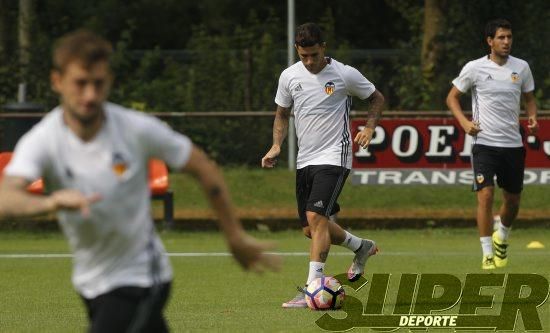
488,262
501,246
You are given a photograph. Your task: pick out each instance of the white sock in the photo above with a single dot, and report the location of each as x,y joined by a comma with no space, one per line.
316,270
503,231
487,245
352,242
496,222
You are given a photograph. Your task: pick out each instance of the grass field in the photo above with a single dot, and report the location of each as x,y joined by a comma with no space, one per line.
212,294
275,188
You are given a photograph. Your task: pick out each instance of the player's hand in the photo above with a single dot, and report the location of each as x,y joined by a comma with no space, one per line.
471,128
270,159
73,200
363,138
532,125
250,254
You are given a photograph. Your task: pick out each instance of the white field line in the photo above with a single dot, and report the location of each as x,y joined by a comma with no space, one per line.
284,254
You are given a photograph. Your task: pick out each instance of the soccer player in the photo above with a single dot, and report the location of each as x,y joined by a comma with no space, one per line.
497,81
93,157
319,89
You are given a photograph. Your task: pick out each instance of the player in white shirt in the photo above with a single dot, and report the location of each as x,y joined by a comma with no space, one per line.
319,89
497,81
93,157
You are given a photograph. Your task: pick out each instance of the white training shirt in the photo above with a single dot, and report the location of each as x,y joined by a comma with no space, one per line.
496,96
322,103
117,245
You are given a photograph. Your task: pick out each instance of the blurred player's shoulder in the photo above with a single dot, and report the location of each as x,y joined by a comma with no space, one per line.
133,122
128,116
48,124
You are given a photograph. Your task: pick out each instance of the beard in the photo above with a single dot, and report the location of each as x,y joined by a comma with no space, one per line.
88,118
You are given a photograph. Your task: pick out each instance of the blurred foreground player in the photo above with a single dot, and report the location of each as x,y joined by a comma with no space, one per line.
319,89
497,82
93,157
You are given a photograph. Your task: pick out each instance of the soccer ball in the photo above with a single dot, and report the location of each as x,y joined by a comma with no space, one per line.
324,293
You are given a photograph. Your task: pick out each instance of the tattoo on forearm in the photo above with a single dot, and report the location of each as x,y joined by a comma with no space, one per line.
374,116
375,111
214,191
323,256
280,127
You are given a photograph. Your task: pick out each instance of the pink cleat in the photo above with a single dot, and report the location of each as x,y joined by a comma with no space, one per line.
357,269
299,301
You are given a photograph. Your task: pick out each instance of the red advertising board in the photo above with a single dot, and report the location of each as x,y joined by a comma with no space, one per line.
405,145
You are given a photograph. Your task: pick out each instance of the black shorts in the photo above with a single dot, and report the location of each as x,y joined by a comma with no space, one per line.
318,188
126,307
508,164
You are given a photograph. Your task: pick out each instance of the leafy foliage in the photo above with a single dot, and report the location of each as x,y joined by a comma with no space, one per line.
227,56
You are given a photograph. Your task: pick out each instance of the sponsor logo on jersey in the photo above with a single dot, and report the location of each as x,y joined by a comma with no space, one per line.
514,77
329,87
298,87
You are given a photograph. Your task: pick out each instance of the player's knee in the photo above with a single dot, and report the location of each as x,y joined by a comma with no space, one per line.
307,232
315,220
512,201
485,196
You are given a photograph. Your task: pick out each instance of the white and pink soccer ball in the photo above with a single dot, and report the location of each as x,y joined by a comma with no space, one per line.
324,293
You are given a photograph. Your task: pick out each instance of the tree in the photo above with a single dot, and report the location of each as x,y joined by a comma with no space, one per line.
434,24
4,30
26,16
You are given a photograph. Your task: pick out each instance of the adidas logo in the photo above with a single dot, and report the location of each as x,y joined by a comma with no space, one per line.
298,87
489,77
319,204
319,270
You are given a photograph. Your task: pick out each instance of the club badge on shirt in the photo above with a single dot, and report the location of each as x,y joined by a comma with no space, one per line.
514,77
480,178
120,165
329,87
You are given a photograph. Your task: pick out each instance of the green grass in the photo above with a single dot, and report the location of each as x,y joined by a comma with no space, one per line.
213,294
275,189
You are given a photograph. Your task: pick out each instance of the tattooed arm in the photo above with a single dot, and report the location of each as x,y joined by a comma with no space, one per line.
364,137
247,251
280,130
211,180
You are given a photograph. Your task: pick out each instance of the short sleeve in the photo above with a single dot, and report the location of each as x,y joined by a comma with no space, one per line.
164,143
30,156
357,84
465,80
528,83
283,97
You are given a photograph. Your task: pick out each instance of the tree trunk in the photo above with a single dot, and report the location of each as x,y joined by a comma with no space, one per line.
434,22
3,30
247,54
25,18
